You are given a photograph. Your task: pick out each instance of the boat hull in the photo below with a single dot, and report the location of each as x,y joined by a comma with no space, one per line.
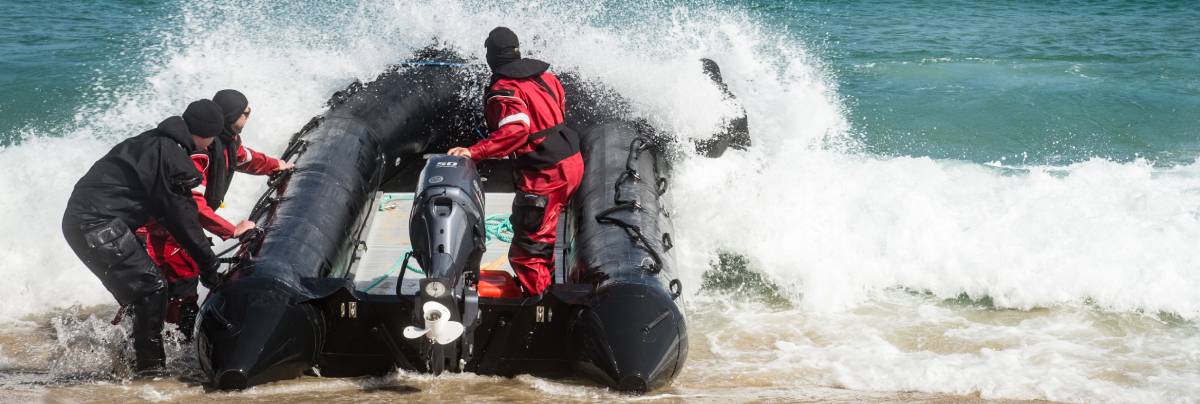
290,305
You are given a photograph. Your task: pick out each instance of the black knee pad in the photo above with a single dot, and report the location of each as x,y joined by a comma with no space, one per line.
115,256
529,211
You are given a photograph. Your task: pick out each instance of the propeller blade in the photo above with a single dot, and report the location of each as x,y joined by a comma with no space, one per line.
449,332
411,332
438,326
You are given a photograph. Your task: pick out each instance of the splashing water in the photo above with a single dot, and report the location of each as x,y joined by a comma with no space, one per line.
900,274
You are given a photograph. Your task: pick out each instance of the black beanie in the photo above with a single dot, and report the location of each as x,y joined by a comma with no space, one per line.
503,47
233,103
204,118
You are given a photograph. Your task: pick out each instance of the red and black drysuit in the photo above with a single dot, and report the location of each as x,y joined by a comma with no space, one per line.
524,108
145,177
180,270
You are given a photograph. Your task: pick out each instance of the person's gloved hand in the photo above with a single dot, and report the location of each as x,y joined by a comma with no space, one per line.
210,278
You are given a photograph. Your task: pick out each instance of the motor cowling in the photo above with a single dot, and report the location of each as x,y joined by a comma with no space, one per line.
446,225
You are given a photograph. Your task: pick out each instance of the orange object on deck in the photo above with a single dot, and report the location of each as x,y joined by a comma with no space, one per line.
498,284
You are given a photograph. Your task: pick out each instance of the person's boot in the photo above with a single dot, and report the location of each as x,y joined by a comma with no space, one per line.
148,315
188,309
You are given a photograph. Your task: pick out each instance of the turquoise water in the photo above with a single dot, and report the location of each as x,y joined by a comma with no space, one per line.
56,57
1020,82
1047,82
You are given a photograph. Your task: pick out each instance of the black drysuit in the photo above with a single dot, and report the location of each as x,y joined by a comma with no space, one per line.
147,176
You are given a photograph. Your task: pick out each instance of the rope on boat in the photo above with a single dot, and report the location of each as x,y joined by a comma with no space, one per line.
496,227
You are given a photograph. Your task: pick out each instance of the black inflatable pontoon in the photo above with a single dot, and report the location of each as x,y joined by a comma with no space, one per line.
289,306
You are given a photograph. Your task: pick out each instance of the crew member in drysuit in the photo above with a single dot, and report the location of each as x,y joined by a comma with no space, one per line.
215,165
237,157
148,176
525,106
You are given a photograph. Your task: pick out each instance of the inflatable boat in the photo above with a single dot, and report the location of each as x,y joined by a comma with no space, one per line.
376,253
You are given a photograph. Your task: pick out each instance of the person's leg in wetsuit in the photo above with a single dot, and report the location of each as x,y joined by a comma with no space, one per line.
182,274
113,254
539,201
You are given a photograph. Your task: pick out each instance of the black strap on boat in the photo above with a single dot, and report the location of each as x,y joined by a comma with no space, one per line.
340,97
265,201
403,271
676,288
634,232
295,149
636,148
248,236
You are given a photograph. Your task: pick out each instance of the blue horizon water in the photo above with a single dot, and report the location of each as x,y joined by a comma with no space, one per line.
1023,82
1020,83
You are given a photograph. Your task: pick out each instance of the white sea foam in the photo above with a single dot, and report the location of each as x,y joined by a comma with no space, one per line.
908,342
288,61
1118,236
838,229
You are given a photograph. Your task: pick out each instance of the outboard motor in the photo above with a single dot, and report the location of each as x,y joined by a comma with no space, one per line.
446,227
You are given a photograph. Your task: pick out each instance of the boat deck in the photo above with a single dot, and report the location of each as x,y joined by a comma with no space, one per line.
387,241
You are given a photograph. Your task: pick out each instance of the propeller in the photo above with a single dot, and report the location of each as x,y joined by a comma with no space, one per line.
438,326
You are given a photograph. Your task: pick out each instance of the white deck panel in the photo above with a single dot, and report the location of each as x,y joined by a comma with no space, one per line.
387,241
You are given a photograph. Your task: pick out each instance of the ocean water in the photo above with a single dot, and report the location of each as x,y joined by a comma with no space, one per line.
946,200
1019,82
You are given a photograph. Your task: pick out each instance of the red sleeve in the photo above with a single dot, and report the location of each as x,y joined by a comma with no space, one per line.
209,220
253,162
508,120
